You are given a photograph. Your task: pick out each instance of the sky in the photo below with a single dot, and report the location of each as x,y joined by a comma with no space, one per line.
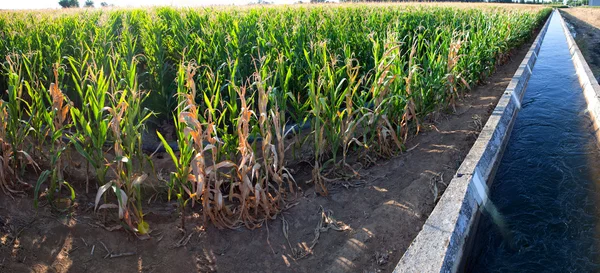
51,4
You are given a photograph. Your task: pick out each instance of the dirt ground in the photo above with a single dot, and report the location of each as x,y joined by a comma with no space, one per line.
379,215
586,23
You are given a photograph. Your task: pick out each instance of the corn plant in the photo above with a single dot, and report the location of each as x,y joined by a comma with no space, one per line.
252,189
276,179
7,173
13,132
343,80
126,185
319,106
17,128
193,178
381,99
348,117
91,122
126,125
453,79
55,119
271,123
410,111
133,121
185,185
38,100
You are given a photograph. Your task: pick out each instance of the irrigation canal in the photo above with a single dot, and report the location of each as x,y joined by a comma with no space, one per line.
546,185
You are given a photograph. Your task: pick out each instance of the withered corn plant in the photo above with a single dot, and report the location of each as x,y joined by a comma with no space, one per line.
7,173
271,122
454,78
230,193
199,142
259,188
56,122
245,188
275,180
379,130
410,111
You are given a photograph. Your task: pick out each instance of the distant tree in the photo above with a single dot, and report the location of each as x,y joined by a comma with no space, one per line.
104,4
89,4
69,3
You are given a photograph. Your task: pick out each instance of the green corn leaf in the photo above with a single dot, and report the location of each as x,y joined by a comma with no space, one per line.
168,149
43,177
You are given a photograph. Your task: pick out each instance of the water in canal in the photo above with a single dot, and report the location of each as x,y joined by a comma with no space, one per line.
546,186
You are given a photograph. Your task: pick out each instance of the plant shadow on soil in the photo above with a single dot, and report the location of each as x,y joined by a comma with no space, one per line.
383,215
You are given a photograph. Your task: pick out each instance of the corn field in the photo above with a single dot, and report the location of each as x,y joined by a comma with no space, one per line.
245,89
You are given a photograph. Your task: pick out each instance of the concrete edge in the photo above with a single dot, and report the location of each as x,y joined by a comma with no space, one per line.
589,84
439,245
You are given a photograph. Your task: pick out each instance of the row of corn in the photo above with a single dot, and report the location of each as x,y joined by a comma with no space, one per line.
244,88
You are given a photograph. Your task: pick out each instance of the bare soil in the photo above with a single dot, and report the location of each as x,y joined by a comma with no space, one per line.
586,22
379,215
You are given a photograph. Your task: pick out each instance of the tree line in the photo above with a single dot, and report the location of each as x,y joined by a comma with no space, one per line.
75,4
